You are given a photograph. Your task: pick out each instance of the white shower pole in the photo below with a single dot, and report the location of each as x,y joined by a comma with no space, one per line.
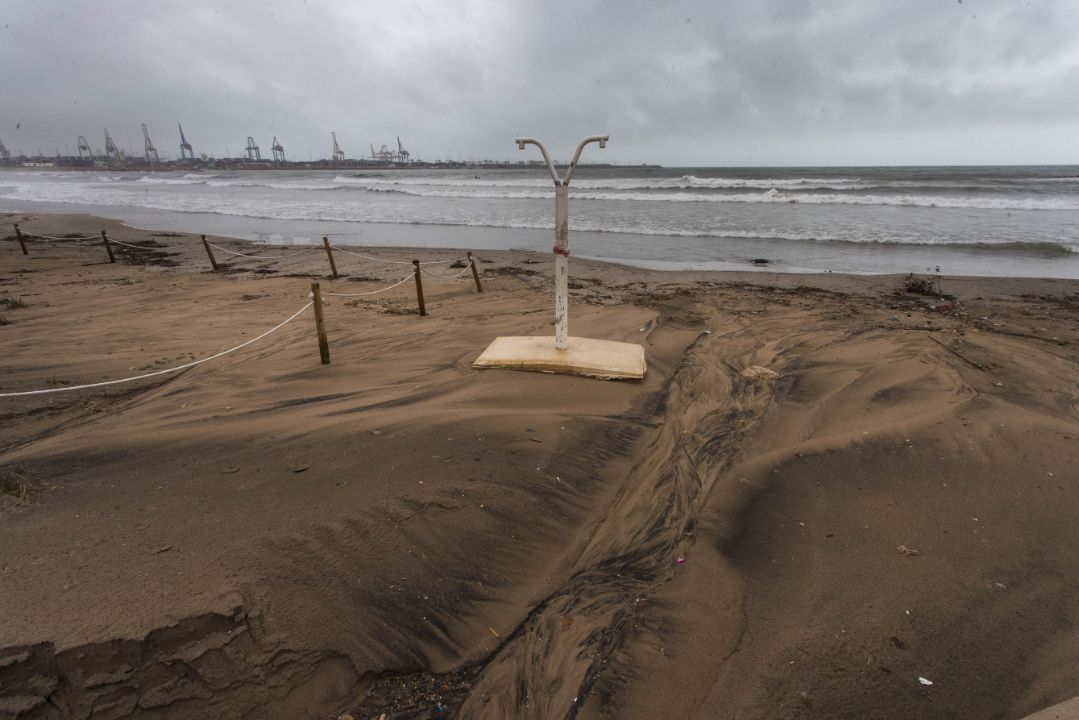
561,234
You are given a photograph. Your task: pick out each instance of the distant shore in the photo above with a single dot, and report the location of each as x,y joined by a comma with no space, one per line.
71,163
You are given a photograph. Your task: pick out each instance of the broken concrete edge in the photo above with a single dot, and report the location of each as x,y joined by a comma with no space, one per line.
601,359
559,371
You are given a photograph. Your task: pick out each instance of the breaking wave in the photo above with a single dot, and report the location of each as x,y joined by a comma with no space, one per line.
770,196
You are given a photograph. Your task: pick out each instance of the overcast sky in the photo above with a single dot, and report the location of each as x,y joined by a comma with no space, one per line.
700,82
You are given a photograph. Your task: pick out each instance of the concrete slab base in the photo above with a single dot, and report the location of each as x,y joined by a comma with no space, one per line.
592,358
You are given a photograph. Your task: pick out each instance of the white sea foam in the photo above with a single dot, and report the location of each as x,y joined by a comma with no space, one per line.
837,183
152,180
712,217
686,182
328,211
770,196
276,185
1063,179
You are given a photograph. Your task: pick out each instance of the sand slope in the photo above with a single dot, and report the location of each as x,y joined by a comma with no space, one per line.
270,537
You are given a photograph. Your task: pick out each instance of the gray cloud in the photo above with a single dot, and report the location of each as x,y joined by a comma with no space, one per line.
691,82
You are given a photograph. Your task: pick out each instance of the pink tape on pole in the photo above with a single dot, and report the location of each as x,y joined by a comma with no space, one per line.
564,252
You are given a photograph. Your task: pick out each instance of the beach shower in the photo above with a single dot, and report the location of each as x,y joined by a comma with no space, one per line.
561,233
574,355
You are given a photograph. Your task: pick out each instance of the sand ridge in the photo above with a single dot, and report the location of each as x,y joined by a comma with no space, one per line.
271,537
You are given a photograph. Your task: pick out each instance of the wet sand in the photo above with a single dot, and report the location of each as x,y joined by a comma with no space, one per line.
266,536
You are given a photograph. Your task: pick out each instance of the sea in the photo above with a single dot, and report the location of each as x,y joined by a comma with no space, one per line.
985,221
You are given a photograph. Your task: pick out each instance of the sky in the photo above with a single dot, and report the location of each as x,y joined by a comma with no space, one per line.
690,83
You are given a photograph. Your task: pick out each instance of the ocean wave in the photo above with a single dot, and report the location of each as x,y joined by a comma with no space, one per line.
838,183
368,180
858,191
332,212
1043,248
481,195
1061,179
770,196
150,180
930,201
298,185
686,182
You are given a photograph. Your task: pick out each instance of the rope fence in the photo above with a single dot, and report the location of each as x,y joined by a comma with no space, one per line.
262,257
400,282
419,268
165,371
314,302
54,237
395,262
134,247
450,277
209,246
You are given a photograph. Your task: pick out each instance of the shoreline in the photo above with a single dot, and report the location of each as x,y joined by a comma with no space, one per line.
397,529
1034,243
765,274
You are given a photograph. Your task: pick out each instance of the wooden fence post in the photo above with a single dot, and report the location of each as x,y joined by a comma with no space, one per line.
22,243
329,254
419,289
320,325
209,253
108,248
475,273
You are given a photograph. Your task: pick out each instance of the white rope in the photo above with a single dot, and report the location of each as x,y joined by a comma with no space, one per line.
57,246
262,257
394,262
402,281
299,252
369,257
233,252
448,277
51,237
163,372
137,247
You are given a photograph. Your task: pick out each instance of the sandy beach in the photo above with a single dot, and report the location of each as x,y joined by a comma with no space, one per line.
829,497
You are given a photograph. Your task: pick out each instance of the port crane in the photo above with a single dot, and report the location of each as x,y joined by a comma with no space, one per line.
150,150
338,153
278,151
4,154
252,149
383,154
402,154
84,147
112,152
186,153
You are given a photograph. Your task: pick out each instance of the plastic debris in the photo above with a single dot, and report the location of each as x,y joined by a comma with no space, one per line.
924,681
680,561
